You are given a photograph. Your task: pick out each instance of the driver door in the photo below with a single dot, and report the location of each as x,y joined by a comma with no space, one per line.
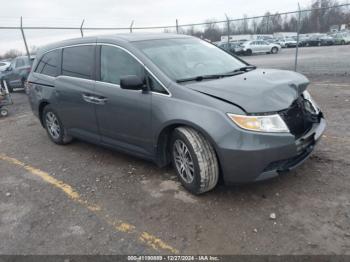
11,77
265,47
124,116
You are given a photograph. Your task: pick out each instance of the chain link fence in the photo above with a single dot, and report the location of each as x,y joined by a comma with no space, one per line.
320,22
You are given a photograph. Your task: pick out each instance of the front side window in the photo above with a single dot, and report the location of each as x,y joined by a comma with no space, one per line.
19,62
48,64
155,86
78,61
116,63
181,58
13,64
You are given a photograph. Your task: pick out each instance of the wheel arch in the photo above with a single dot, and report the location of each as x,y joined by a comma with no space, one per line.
42,105
163,141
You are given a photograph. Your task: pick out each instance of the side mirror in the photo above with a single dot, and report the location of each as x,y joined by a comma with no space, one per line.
132,82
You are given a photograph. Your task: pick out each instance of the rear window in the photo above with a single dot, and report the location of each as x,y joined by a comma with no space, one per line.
48,64
78,61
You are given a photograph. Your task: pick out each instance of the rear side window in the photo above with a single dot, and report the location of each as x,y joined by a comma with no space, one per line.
78,61
116,63
48,64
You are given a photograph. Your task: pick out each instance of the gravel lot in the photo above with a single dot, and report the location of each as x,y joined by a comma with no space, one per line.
84,199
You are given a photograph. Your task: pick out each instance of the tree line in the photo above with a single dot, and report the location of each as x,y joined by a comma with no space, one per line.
315,21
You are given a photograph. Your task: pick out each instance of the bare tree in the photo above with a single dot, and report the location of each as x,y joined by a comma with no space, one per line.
211,31
12,53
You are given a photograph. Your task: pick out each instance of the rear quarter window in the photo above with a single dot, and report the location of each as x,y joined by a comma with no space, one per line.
48,64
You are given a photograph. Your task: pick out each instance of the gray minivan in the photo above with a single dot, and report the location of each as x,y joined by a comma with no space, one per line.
175,98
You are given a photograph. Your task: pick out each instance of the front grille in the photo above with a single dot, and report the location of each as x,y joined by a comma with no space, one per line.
298,119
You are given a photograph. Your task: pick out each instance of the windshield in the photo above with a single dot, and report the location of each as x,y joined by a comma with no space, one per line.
188,57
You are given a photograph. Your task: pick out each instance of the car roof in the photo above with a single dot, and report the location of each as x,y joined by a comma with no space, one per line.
24,56
134,37
125,37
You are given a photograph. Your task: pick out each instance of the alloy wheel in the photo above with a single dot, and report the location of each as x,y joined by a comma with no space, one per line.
183,161
53,125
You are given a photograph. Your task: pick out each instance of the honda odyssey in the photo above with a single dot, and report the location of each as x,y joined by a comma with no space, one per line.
176,99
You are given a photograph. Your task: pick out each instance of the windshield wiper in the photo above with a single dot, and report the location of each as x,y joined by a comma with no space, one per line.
245,68
215,76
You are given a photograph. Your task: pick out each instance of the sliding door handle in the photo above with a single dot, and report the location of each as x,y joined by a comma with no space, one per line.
94,99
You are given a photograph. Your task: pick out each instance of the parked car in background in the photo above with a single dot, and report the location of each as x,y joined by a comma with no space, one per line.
302,40
232,47
176,99
327,40
257,46
313,41
342,38
17,72
319,40
287,42
4,65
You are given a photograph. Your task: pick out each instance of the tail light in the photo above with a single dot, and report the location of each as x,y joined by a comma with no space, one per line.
27,86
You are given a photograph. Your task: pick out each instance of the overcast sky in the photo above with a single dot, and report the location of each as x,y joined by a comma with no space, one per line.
120,13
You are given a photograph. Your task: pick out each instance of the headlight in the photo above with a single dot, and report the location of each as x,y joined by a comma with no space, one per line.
268,123
315,109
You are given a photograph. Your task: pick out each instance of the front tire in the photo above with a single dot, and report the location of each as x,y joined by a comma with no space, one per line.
274,50
249,52
194,160
54,127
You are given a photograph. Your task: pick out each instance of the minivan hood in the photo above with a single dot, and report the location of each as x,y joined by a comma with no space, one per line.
257,91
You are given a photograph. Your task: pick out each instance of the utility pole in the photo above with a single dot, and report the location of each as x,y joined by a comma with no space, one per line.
24,39
131,25
267,24
297,47
228,31
81,28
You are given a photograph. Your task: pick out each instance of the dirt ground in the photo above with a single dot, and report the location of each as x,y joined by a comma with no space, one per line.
84,199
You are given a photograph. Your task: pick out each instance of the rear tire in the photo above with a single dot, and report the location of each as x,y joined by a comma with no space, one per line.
342,42
4,112
23,83
54,127
194,160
